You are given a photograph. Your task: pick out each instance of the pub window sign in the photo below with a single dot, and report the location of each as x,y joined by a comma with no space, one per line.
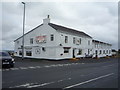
41,39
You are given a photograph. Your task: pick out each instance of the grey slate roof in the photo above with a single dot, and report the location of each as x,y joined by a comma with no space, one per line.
65,29
61,28
101,42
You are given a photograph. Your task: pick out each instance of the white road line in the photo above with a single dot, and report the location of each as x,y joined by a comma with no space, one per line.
88,81
14,68
40,85
24,85
46,66
109,65
33,85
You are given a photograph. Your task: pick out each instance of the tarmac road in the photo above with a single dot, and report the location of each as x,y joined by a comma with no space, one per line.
67,74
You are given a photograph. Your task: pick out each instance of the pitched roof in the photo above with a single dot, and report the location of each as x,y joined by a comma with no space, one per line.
101,42
61,28
65,29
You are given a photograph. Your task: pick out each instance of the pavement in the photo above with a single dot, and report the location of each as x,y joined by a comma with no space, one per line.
64,74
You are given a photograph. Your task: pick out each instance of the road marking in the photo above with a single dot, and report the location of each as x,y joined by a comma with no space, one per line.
33,85
39,85
14,68
88,81
24,85
46,66
108,65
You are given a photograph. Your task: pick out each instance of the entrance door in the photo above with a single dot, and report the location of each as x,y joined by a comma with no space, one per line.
73,53
96,52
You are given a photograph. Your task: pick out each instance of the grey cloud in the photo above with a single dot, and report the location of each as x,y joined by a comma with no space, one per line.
96,19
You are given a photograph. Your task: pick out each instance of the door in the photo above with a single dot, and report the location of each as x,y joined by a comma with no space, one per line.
73,53
96,52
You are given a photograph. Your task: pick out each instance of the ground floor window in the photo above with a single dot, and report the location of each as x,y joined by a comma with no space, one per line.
43,49
66,50
109,51
79,52
28,53
96,51
20,52
100,52
103,51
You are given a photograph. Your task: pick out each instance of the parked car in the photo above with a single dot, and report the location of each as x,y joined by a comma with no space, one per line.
7,60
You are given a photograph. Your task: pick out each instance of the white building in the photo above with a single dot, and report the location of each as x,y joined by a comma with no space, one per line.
101,49
51,41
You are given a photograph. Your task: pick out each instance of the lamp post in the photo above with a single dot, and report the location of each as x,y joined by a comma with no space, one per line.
23,31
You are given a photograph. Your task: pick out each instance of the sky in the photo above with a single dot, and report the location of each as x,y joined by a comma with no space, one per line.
97,19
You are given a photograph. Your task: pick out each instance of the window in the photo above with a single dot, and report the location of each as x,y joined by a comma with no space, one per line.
66,39
109,51
88,42
73,40
31,40
52,37
88,51
106,51
66,50
103,51
96,51
28,53
80,40
43,49
20,52
100,52
79,52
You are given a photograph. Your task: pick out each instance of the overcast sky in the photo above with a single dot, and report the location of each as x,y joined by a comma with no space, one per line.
98,19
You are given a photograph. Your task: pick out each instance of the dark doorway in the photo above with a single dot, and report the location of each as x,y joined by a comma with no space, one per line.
96,52
73,53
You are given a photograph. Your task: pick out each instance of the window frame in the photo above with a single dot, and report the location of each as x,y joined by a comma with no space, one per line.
30,54
66,39
31,40
52,37
66,50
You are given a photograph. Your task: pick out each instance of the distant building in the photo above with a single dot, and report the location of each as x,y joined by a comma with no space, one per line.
51,41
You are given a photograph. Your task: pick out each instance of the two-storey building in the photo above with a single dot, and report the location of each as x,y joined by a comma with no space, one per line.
51,41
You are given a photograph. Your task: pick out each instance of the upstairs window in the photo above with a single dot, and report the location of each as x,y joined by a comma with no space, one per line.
80,40
66,39
88,42
31,40
73,40
51,37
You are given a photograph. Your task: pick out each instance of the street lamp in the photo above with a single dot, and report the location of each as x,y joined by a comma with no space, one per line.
23,31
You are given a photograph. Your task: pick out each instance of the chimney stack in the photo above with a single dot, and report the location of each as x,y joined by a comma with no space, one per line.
46,20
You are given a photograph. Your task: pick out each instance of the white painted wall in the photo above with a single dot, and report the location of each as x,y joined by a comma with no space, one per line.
102,47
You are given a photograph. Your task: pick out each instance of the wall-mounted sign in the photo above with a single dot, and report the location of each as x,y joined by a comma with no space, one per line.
77,41
41,39
37,50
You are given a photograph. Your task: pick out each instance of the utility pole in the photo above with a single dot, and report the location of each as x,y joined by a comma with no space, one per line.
23,31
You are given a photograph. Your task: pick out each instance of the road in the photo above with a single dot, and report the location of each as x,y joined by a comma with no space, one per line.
67,74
